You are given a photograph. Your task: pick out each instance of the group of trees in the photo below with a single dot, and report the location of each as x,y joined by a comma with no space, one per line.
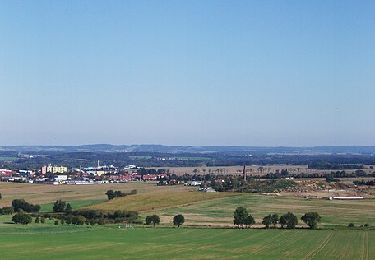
111,194
21,207
21,204
62,206
92,217
362,182
178,220
237,184
88,217
243,219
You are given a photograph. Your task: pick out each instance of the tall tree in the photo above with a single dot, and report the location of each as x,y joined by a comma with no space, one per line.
274,219
289,220
154,219
68,208
311,219
267,221
59,206
110,194
249,220
240,216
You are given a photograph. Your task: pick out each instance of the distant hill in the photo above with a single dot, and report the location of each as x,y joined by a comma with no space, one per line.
315,150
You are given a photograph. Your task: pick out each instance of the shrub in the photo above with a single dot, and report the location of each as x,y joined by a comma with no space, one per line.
21,204
68,208
178,220
6,211
68,219
78,220
111,194
154,220
351,225
22,218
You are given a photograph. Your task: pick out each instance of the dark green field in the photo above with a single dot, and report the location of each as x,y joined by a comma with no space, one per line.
72,242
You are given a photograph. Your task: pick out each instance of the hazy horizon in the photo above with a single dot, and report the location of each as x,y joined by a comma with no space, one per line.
231,73
177,145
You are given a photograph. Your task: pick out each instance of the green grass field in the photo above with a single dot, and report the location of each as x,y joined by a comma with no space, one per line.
72,242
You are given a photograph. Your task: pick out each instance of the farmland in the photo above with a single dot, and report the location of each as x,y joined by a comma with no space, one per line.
66,242
147,202
44,194
199,208
194,240
220,211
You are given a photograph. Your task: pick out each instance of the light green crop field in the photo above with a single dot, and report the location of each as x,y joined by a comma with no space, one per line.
147,202
39,241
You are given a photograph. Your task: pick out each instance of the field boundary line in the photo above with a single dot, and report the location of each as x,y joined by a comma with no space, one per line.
365,251
320,247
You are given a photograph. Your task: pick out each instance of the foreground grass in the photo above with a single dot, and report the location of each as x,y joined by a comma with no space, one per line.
69,242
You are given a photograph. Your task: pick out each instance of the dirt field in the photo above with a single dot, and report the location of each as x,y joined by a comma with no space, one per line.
47,193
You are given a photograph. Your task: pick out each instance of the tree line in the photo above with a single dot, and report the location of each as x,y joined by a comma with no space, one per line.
242,219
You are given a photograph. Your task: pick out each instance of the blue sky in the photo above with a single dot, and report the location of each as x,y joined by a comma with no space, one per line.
187,72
